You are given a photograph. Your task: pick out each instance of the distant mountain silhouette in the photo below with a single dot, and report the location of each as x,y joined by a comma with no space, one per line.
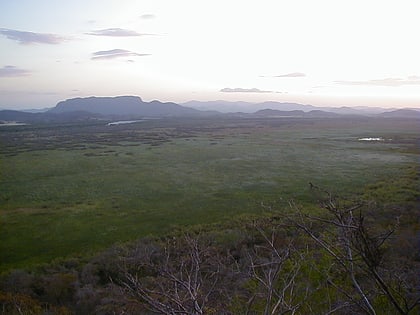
322,114
296,113
14,115
133,107
279,113
286,106
44,117
123,106
403,113
248,107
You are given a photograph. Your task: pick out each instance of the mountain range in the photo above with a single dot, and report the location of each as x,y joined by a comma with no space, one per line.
248,107
129,107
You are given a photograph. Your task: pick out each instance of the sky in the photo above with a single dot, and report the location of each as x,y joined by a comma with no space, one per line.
319,52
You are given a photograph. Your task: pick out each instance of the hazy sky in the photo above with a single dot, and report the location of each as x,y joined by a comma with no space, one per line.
320,52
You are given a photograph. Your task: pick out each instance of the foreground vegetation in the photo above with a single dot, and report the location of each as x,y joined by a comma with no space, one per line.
349,257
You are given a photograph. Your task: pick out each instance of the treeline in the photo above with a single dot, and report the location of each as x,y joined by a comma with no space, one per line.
347,257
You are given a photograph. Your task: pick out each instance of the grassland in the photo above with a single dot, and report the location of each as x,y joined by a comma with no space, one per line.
75,189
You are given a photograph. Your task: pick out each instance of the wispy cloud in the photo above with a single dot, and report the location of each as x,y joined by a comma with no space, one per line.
12,71
116,32
27,38
115,53
242,90
287,75
395,82
147,16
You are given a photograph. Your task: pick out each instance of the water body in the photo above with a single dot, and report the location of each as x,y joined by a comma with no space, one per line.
12,123
123,122
371,139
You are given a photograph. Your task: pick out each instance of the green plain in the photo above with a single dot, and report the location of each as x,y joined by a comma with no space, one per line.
75,189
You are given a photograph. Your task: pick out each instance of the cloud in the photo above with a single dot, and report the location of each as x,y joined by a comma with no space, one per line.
291,75
12,71
116,32
147,16
115,53
27,38
287,75
242,90
395,82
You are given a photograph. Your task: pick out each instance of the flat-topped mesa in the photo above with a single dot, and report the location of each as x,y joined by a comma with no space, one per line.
100,105
122,105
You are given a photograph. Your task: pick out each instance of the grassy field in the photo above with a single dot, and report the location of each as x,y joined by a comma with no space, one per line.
75,189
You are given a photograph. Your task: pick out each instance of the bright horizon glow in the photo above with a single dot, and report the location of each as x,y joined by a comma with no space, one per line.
323,53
